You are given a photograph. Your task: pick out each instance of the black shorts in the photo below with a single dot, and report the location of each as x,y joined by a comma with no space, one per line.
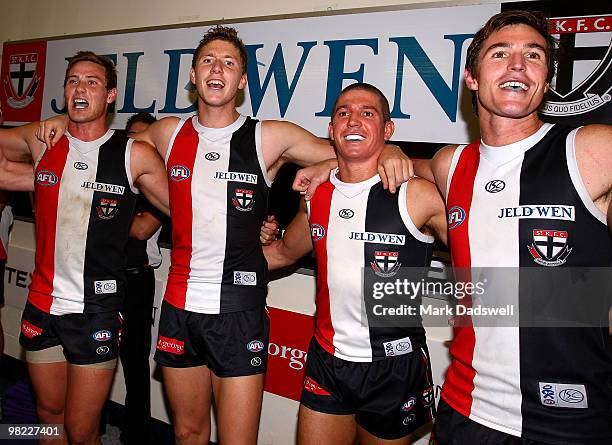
453,428
2,266
85,338
390,398
231,344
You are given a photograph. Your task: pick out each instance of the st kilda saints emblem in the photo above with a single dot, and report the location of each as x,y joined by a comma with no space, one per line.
107,208
243,200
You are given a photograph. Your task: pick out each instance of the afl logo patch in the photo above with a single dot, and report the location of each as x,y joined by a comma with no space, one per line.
179,173
255,346
346,213
80,166
456,216
212,156
317,231
103,335
495,186
46,178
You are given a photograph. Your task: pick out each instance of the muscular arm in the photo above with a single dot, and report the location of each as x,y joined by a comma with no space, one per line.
18,148
440,166
294,244
158,134
144,225
149,175
594,159
426,208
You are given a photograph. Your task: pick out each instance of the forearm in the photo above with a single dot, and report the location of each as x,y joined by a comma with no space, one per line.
278,256
144,225
16,176
422,169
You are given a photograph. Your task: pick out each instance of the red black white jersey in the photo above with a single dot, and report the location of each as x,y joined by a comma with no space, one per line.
356,226
218,199
6,219
84,203
525,205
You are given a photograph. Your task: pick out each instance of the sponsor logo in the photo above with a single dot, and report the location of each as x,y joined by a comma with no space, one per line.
549,247
317,232
560,212
101,187
311,386
408,420
397,347
179,173
80,166
577,89
379,238
346,213
385,264
563,395
102,335
105,287
212,156
256,361
245,278
102,350
107,209
243,200
428,397
409,404
237,176
296,357
255,346
495,186
456,216
22,80
170,345
30,330
46,178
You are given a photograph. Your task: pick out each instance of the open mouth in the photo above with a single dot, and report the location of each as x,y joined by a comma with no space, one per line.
215,84
514,86
80,104
354,137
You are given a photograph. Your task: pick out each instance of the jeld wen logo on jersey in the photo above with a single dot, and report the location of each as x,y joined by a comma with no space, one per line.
46,178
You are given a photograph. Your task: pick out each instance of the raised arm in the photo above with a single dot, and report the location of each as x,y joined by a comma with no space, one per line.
149,175
294,244
18,148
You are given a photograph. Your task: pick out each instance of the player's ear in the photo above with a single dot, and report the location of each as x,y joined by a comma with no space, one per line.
470,80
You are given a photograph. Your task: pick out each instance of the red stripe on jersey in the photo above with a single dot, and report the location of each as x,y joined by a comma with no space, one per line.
180,174
319,222
3,255
459,382
47,181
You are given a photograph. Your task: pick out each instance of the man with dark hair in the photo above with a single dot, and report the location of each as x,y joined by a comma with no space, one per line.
85,198
213,332
359,381
143,256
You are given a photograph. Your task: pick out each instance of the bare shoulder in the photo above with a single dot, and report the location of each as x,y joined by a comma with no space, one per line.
440,165
596,137
144,152
423,193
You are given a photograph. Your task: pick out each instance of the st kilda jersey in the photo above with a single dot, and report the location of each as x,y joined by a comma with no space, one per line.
84,203
356,226
218,198
525,205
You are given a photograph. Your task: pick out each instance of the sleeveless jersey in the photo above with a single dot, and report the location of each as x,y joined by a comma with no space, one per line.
6,219
525,205
356,226
218,199
84,203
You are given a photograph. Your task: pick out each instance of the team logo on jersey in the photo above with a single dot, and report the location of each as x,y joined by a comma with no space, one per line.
30,330
312,386
346,213
456,216
102,335
385,263
22,80
409,404
212,156
549,247
563,395
428,397
243,200
46,178
255,346
179,173
317,232
107,209
495,186
171,345
80,166
576,90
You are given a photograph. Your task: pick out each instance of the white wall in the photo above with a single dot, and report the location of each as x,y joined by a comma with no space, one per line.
30,19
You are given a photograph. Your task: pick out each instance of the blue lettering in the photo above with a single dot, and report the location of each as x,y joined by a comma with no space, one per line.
174,66
543,211
130,86
335,71
284,91
447,97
